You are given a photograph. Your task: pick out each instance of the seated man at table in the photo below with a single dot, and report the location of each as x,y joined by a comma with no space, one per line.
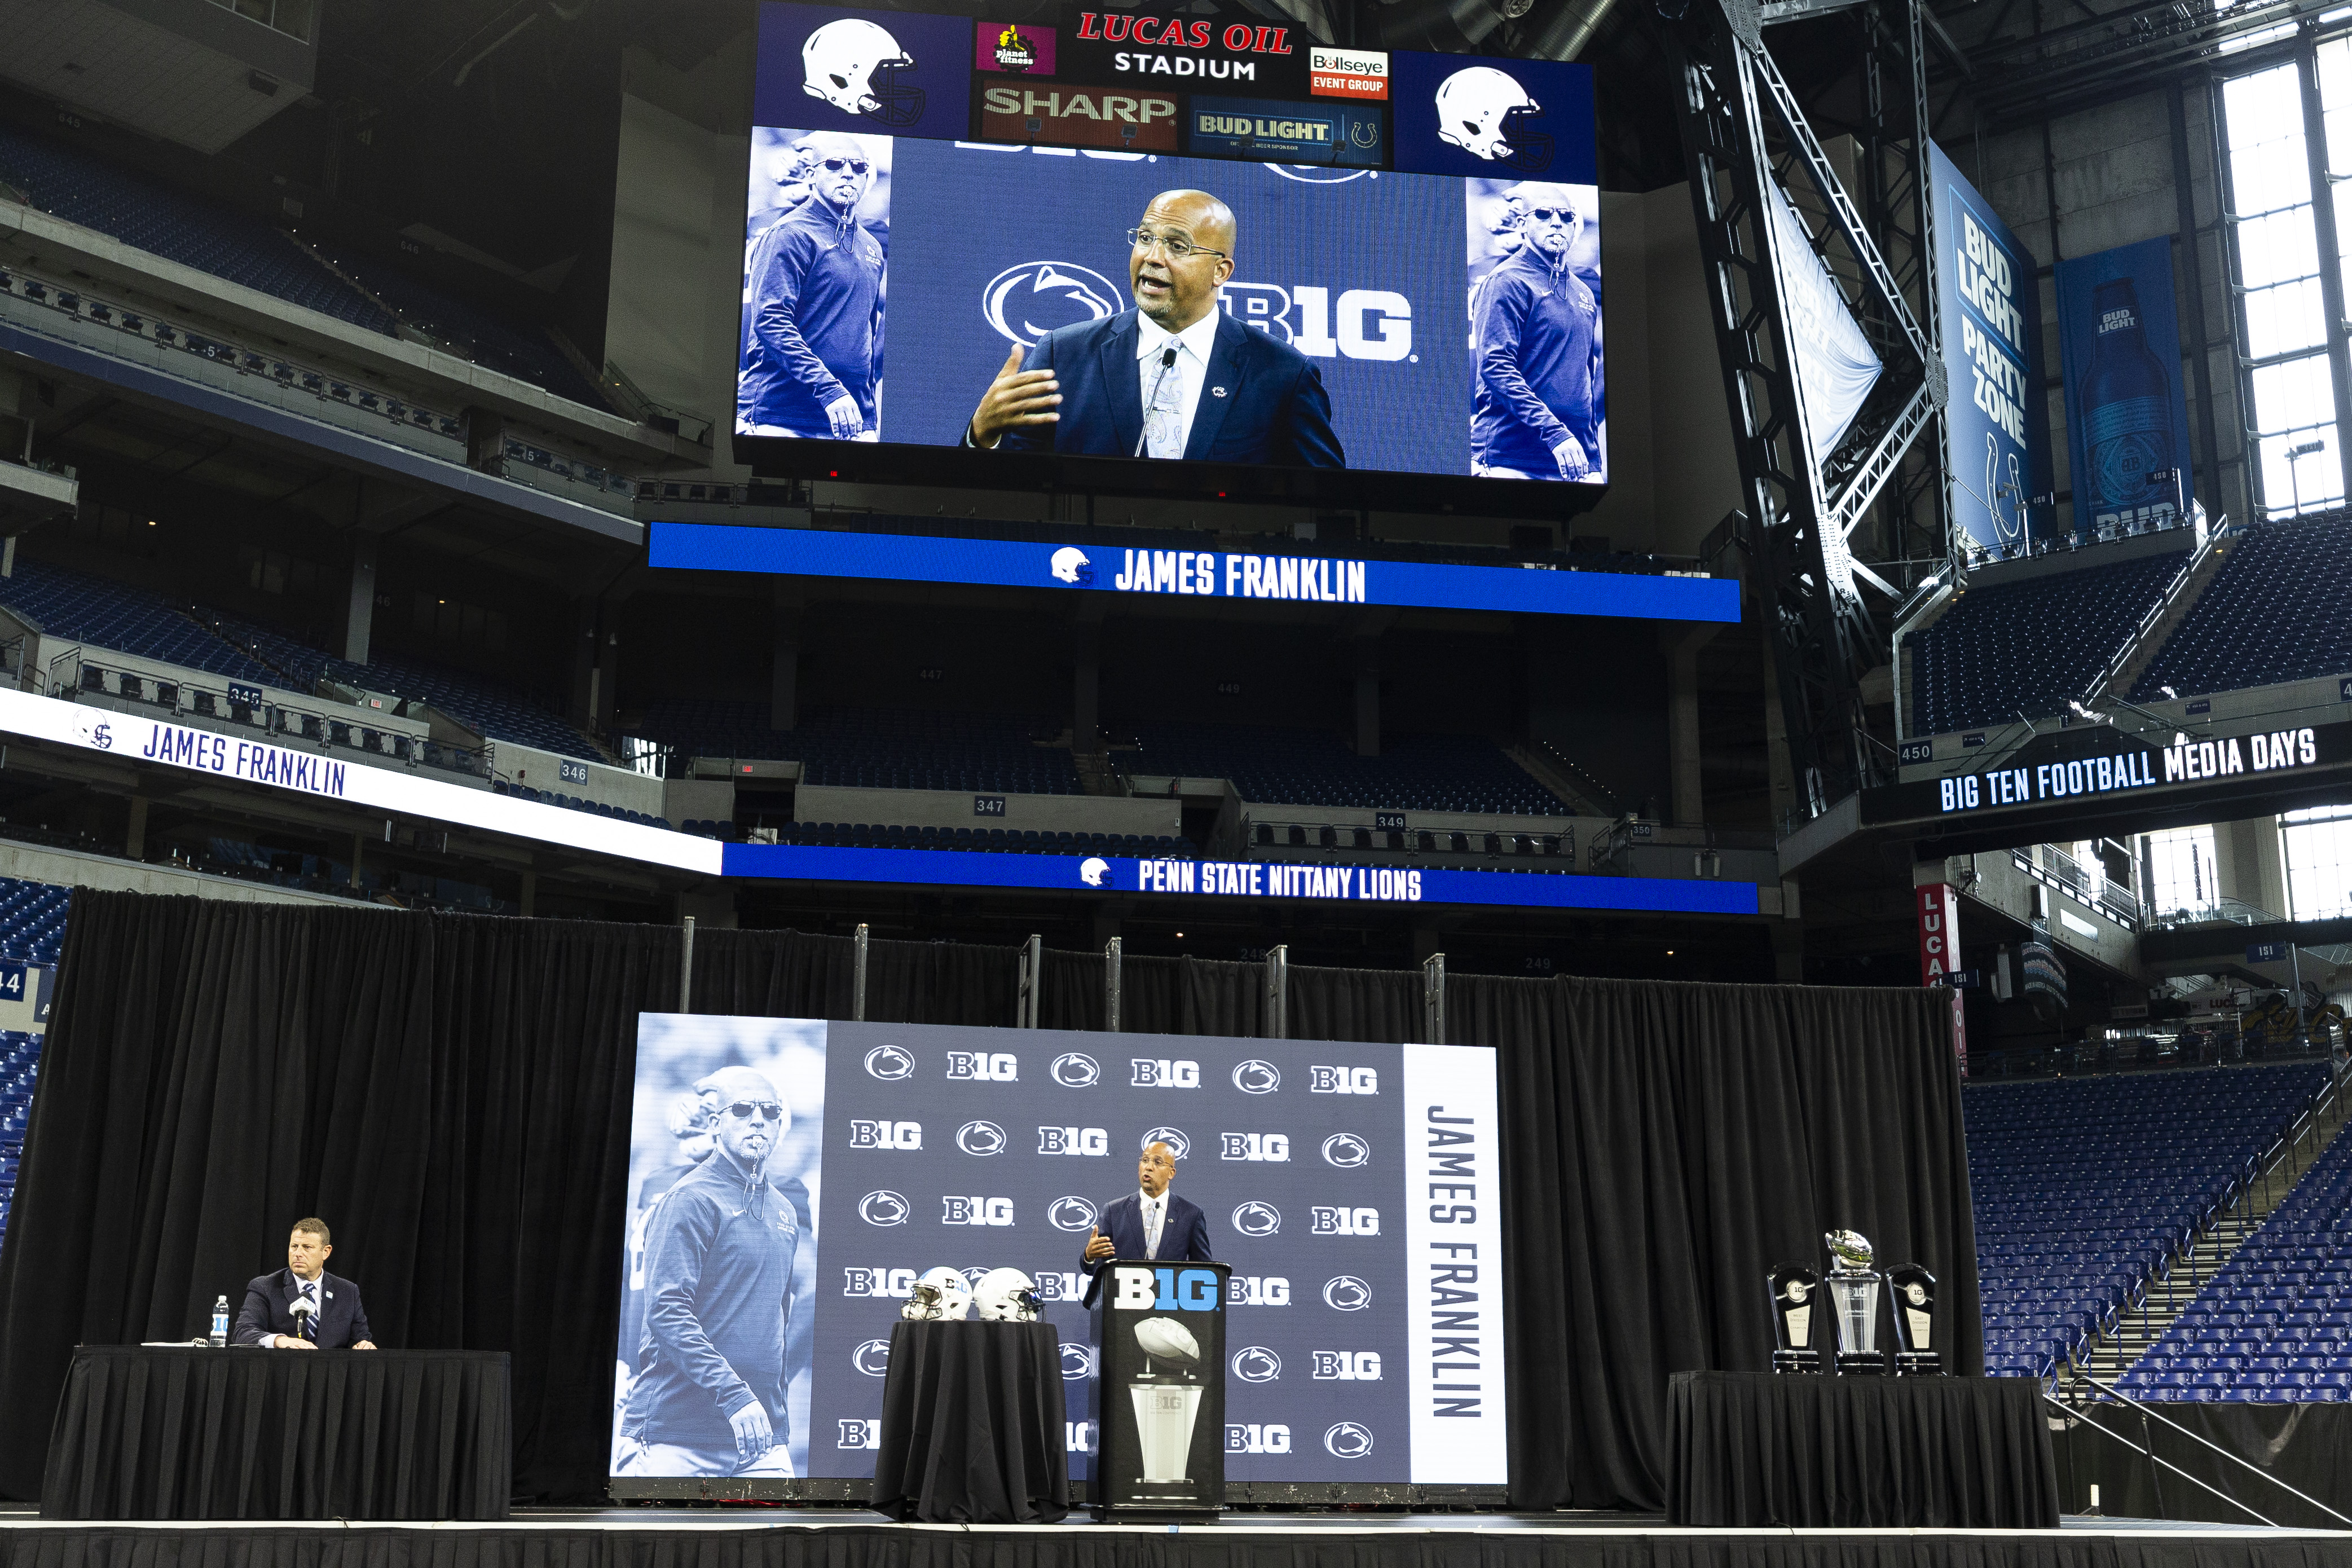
330,1316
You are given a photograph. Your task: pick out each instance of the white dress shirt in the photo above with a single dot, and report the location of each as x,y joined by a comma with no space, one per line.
318,1295
1190,373
1155,1216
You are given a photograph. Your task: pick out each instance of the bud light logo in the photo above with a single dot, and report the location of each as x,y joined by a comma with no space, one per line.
1256,1439
1257,1291
1075,1069
1254,1076
872,1358
1254,1218
983,1067
881,1282
1178,1144
962,1210
1256,1146
1343,1081
1347,1366
883,1207
1077,1362
1163,1073
891,1063
1348,1440
1346,1293
886,1134
1255,1363
1071,1215
1083,1141
981,1138
1321,1221
1346,1151
860,1434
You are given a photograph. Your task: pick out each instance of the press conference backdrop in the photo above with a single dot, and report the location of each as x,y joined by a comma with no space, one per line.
1354,1189
995,202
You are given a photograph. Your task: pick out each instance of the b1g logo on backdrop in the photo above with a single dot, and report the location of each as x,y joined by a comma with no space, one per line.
865,1134
983,1067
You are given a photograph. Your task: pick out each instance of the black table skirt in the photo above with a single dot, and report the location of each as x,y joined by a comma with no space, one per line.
972,1426
1961,1453
255,1434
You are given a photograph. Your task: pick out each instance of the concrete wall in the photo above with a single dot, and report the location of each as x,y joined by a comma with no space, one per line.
1023,813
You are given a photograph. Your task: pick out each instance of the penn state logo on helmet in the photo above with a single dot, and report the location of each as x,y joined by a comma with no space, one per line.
1254,1218
1347,1441
1070,565
872,1358
1025,303
1075,1069
891,1063
853,64
1254,1076
1255,1363
1346,1293
1094,871
883,1207
982,1138
1485,112
1346,1151
1071,1214
1178,1144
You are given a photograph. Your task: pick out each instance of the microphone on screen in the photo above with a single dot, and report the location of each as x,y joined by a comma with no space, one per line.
1167,364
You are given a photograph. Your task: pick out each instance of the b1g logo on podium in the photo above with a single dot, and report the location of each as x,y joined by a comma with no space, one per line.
1164,1289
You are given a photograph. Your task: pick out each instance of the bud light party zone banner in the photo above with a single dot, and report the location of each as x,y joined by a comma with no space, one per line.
1403,278
1996,439
1355,1191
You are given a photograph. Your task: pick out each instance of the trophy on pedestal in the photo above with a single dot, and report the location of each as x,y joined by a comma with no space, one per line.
1795,1289
1167,1398
1913,1292
1854,1288
1157,1393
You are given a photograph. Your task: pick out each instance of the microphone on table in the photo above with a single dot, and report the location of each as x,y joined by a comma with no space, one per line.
301,1309
1167,364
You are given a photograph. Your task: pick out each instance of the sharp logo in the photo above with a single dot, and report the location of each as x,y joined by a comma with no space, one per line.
981,1138
891,1063
1081,1141
1178,1144
1346,1151
1078,1360
885,1134
1071,1214
1367,323
961,1210
1346,1293
1075,1069
1257,1291
1256,1439
1321,1221
1254,1076
872,1358
1347,1441
1255,1363
1266,1146
1162,1073
983,1067
1254,1218
1023,304
883,1207
860,1434
899,1283
1346,1366
1339,1080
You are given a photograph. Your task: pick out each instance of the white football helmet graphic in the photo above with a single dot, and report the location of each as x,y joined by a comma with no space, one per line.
852,66
1070,565
1005,1296
1095,871
941,1296
1483,112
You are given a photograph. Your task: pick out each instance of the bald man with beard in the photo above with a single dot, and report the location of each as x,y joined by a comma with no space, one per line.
1149,1224
1173,377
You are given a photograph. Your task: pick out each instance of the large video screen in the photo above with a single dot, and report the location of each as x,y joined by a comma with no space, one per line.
1032,253
790,1179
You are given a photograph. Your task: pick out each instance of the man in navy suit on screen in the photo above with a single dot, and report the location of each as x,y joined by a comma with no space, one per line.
1175,376
302,1307
1152,1223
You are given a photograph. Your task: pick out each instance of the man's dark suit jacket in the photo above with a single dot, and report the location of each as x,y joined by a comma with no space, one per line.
341,1322
1183,1237
1272,407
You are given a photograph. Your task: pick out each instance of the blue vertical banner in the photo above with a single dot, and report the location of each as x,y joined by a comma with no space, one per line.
1996,439
2126,418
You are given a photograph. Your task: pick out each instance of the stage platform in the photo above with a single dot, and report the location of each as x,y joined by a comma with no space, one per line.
737,1536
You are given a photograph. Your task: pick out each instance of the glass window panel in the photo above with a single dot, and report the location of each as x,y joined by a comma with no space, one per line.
2282,319
2336,103
2181,870
2277,248
2293,396
2268,168
2292,484
2318,863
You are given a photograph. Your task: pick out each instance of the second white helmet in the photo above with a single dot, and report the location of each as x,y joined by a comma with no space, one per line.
941,1296
1481,110
1006,1295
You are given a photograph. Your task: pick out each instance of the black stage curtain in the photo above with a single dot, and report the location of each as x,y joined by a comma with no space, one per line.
453,1091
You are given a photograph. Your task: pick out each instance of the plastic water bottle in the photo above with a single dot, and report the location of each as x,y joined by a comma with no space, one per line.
220,1322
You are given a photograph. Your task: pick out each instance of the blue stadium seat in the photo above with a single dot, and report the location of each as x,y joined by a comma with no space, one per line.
2274,613
1312,767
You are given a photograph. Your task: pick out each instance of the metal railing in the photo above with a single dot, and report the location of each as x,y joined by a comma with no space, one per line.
2081,1412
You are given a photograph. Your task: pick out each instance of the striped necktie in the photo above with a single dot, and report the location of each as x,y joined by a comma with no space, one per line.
309,1320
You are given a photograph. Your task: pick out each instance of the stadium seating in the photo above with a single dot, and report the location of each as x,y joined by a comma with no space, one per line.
1312,767
471,331
2274,613
875,748
154,218
998,840
73,605
491,707
2024,649
2081,1185
2275,1325
574,803
32,930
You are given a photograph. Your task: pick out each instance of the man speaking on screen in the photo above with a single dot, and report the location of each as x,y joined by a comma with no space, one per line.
1173,377
1151,1223
1535,345
708,1395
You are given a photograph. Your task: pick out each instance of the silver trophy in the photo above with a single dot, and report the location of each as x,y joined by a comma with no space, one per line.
1854,1288
1167,1404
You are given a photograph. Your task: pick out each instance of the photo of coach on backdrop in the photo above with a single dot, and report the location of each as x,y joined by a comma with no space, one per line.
819,216
1538,411
713,1374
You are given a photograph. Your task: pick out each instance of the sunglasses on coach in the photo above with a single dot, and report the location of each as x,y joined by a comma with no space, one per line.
767,1108
855,165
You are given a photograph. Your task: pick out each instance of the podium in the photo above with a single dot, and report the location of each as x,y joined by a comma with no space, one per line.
1157,1393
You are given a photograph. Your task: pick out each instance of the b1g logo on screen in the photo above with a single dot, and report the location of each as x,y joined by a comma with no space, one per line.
1162,1073
1339,1080
1324,1221
983,1067
860,1434
878,1282
1257,1291
1346,1366
1081,1141
1272,1147
885,1134
1254,1438
1367,323
960,1210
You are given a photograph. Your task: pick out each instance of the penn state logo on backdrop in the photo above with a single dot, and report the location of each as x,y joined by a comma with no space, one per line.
1254,1076
1078,1360
1023,304
883,1207
891,1063
1346,1151
1255,1218
1178,1144
872,1358
1075,1069
1071,1214
1348,1440
1346,1293
982,1138
1255,1363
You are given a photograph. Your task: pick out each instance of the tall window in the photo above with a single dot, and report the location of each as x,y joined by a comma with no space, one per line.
2319,862
2289,382
2179,868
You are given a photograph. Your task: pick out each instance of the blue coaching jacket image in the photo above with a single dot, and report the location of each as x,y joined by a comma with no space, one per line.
1534,357
814,333
1260,401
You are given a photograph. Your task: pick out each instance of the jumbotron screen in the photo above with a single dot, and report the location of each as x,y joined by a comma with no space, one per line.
1158,254
1355,1191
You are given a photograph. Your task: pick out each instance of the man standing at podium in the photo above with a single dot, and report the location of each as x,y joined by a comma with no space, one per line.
1152,1223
